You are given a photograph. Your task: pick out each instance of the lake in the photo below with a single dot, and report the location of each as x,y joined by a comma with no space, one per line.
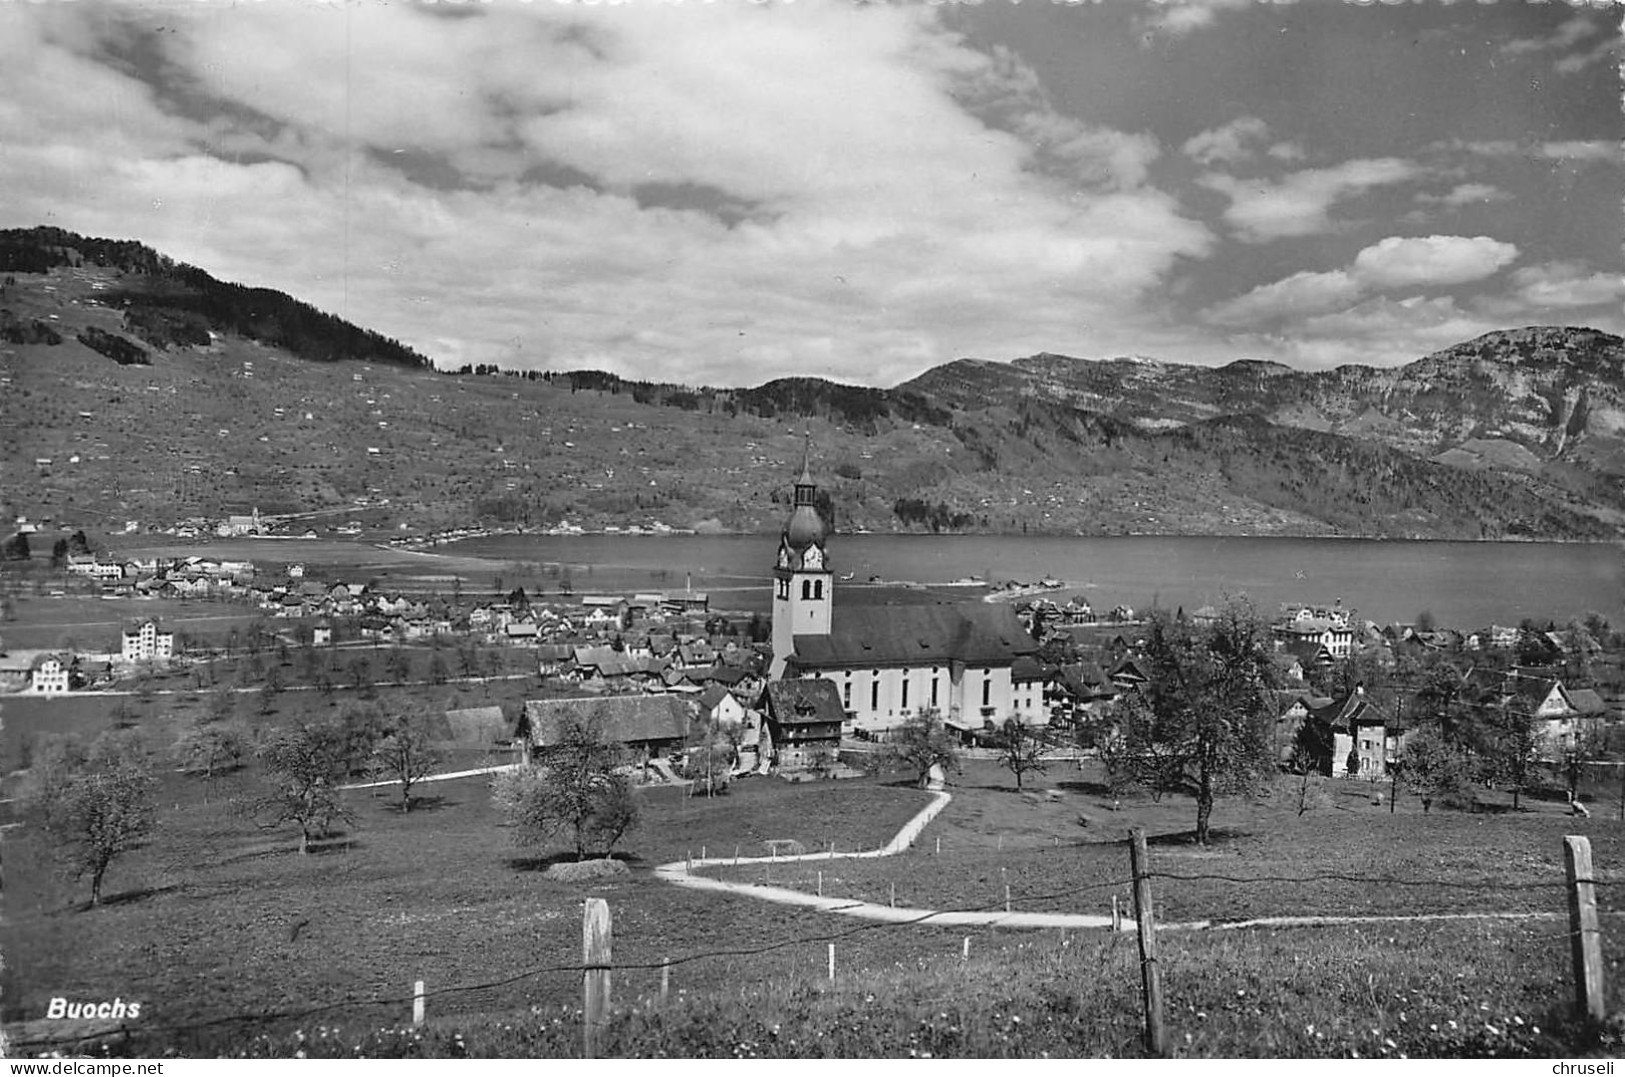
1464,584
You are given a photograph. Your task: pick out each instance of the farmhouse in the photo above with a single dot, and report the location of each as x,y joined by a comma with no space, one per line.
803,720
649,725
887,662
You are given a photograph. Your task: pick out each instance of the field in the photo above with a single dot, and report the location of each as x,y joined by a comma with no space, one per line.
443,895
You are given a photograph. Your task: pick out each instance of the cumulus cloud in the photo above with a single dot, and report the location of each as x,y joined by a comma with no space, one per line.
1398,262
1566,286
1291,297
689,194
1393,263
1299,203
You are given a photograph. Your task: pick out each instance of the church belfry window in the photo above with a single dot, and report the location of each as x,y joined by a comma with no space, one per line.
806,588
818,588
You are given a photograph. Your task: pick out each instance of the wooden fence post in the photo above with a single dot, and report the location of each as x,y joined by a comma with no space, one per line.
1006,897
595,957
964,954
832,962
820,884
665,978
1117,916
417,1003
1585,934
1156,1033
894,895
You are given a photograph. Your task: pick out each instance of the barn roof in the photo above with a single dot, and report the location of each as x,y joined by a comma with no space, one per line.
626,719
475,727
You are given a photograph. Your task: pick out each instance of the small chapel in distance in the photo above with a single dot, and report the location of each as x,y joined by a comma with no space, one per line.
971,662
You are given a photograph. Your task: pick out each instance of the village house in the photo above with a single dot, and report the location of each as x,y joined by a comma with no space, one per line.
145,642
16,672
888,662
50,673
719,706
802,722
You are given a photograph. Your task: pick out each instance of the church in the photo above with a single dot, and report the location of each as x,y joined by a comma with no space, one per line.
970,662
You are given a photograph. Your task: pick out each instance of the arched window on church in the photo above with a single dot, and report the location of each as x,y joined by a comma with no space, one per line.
806,588
818,588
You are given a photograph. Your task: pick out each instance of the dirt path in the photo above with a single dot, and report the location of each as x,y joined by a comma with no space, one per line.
682,873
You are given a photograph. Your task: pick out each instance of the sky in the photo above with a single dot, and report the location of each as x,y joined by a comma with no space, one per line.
731,191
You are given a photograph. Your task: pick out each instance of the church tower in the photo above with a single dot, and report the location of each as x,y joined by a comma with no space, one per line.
803,585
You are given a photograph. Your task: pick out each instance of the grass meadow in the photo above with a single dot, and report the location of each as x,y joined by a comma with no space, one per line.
237,945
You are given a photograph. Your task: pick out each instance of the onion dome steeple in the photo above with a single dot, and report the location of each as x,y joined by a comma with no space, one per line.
805,526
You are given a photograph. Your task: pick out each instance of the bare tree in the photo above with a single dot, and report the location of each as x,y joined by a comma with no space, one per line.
406,753
1024,750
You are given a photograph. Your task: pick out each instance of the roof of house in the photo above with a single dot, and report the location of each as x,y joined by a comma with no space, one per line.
1347,711
1027,668
808,701
474,727
626,719
974,633
1310,650
1587,701
713,695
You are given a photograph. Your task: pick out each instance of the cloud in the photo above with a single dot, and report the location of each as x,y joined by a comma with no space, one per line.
720,193
1393,263
1183,16
1566,285
1229,144
1465,194
1582,150
1568,34
1398,262
1292,297
1299,203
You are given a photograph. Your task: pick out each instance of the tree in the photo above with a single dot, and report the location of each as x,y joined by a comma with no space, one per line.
406,752
96,804
1308,789
710,765
400,664
1024,749
210,746
15,548
1425,621
572,787
1510,745
59,553
920,743
437,668
307,763
1203,719
1432,767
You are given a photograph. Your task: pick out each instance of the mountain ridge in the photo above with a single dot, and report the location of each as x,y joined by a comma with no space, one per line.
1515,434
